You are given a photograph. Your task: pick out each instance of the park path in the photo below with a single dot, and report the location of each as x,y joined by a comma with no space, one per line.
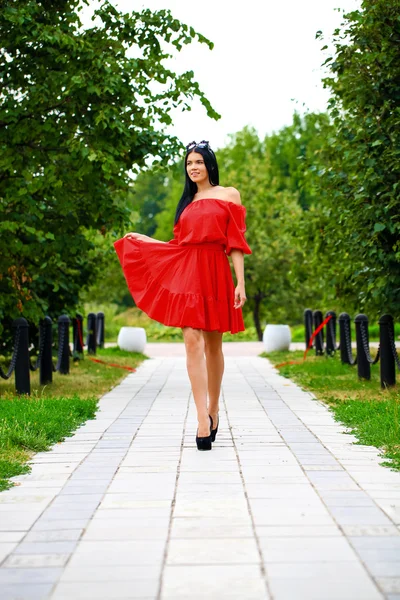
284,507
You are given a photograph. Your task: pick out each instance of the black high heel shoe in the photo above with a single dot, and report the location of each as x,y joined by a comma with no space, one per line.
214,431
204,443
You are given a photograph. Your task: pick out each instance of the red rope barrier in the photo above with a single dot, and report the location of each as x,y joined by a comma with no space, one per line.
97,360
310,343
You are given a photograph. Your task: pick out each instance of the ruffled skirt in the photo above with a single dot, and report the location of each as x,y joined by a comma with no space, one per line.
181,286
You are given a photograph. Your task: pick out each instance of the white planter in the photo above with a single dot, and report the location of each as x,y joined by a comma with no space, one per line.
132,339
276,338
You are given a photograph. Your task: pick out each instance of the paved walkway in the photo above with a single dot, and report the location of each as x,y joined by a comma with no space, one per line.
284,507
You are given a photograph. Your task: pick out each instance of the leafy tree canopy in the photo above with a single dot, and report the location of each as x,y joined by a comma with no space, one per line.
360,179
272,176
80,109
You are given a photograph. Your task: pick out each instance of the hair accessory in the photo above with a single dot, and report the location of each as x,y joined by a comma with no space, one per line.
202,144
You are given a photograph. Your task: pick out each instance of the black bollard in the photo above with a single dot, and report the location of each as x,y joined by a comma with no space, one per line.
345,338
46,343
63,344
77,332
331,333
319,338
386,339
91,337
22,374
308,321
363,365
100,329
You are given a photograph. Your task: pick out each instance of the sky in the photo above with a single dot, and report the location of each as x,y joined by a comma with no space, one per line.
266,62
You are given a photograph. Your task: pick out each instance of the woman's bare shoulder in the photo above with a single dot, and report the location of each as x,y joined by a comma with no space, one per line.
231,194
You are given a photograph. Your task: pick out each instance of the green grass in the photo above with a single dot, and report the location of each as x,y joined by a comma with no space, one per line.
372,414
86,378
34,423
30,425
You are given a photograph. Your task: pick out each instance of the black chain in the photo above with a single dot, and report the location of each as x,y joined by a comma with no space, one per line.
369,358
13,358
352,361
42,339
393,346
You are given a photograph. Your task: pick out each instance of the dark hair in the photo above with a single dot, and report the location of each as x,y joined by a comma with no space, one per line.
190,188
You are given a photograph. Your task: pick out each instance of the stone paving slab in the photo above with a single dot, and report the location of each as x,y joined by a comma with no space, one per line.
285,506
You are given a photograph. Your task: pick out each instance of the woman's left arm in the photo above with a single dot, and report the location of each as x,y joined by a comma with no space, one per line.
238,265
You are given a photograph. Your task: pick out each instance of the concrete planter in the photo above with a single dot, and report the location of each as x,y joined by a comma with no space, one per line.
132,339
276,338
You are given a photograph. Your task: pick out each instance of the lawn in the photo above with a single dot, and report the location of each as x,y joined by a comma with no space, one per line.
372,414
155,332
30,424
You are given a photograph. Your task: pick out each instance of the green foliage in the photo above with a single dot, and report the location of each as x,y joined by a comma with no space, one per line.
80,109
275,278
149,194
292,152
359,220
276,180
165,218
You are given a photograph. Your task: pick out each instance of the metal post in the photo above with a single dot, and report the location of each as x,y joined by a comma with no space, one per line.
345,337
22,374
331,333
363,366
77,332
91,338
63,343
308,320
388,365
46,338
319,338
100,329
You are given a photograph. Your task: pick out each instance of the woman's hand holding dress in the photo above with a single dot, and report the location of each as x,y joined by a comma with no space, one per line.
138,236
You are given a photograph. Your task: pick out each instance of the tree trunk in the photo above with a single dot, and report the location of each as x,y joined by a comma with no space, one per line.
256,316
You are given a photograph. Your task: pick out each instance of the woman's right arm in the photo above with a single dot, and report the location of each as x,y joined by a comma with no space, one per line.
143,238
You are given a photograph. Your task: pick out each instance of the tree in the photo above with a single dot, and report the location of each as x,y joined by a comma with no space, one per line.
272,215
274,177
80,110
360,179
292,152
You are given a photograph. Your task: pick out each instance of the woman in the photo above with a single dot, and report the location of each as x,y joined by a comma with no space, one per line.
187,282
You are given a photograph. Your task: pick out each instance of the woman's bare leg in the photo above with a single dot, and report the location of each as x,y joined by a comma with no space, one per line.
196,366
215,371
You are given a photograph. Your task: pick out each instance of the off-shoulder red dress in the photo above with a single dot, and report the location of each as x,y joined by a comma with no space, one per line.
187,282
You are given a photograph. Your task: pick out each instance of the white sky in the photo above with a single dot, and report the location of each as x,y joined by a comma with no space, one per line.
265,63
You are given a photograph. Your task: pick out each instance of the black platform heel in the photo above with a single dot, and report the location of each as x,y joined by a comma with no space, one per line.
214,431
204,443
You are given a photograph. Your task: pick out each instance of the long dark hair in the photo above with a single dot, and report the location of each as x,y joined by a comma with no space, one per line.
190,188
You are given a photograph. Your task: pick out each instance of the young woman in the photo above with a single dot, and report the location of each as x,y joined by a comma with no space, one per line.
187,282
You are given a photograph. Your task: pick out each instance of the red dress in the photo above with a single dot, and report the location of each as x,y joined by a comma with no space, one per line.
187,282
